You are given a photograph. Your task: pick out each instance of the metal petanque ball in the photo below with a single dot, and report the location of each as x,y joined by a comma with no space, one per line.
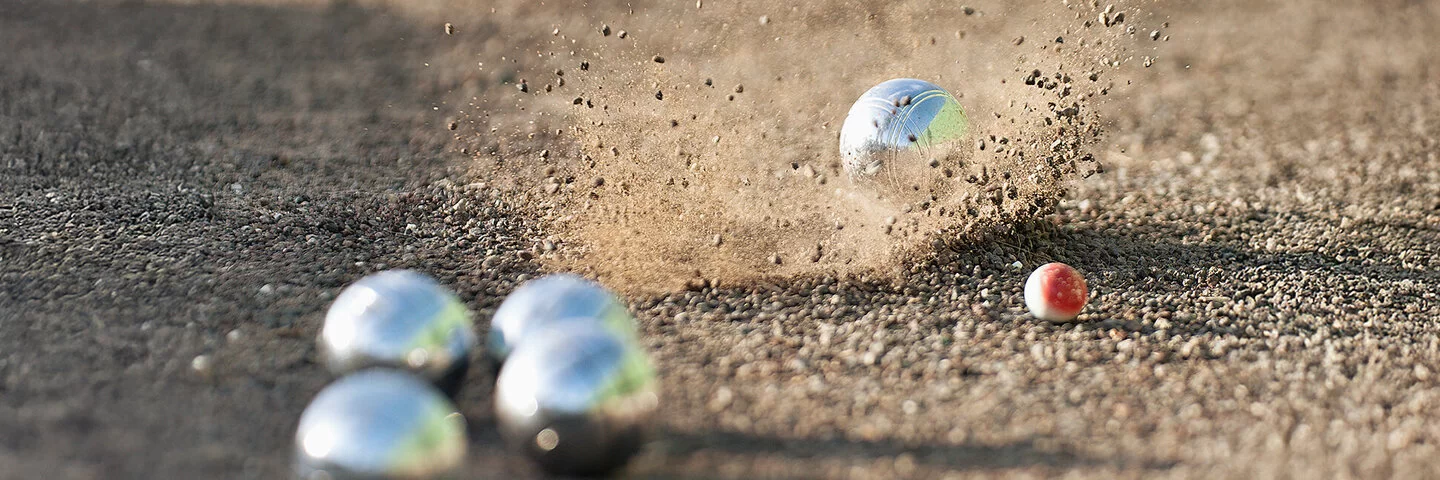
554,299
399,319
379,424
577,400
895,130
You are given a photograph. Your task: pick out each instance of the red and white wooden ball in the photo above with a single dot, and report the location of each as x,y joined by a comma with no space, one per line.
1055,292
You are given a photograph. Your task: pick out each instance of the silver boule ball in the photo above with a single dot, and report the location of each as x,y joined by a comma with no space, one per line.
543,303
399,319
897,129
379,424
577,400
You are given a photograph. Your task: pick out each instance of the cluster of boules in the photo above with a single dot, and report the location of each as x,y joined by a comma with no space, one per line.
574,392
397,340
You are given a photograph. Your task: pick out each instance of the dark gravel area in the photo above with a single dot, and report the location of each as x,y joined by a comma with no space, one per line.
182,180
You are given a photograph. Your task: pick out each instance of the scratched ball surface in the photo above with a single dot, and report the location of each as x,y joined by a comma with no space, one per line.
553,300
896,129
576,400
1056,292
399,319
379,424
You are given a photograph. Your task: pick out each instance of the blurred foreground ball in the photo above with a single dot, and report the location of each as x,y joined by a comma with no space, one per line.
892,130
399,319
1056,292
553,300
379,424
576,400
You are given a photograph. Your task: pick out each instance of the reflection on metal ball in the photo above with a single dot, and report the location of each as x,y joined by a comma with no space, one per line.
892,125
543,303
577,400
379,424
399,319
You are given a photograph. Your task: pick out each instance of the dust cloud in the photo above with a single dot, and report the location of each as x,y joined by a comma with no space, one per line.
703,141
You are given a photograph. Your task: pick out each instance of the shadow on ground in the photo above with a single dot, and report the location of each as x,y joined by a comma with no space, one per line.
679,447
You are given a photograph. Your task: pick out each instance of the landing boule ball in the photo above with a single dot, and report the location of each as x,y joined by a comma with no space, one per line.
890,129
399,319
546,301
379,424
577,400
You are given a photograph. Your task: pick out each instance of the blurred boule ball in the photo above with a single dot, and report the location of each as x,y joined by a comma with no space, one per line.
379,424
399,319
555,299
578,400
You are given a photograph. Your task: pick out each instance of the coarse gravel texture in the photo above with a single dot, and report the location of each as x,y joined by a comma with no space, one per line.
185,179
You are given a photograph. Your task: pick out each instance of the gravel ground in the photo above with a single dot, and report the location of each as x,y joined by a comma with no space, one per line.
201,179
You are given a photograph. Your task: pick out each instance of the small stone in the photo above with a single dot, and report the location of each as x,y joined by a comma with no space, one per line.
201,365
449,29
658,59
721,400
